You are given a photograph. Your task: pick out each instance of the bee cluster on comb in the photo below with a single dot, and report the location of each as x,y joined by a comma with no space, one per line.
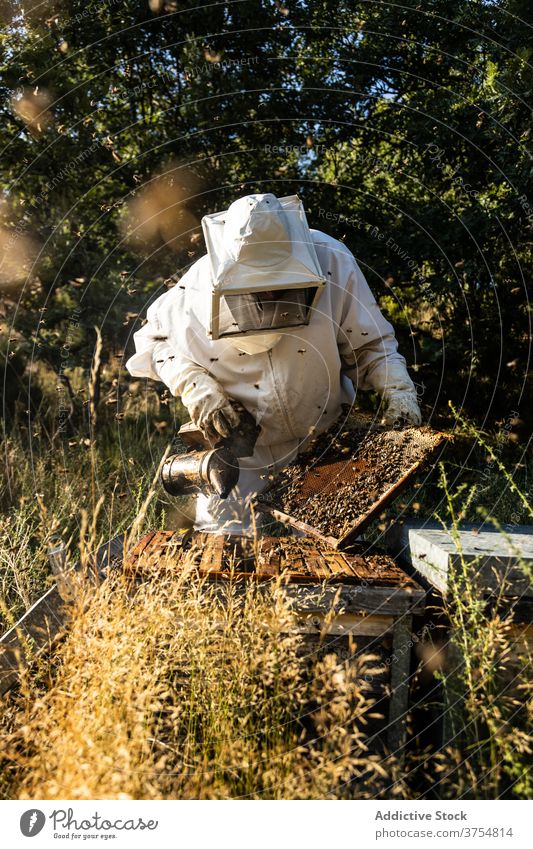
335,485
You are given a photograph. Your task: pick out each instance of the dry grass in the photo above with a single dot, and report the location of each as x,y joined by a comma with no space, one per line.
166,690
487,685
82,491
170,690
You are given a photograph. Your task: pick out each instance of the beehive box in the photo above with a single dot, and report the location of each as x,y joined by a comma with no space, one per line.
498,565
492,558
373,579
344,602
364,598
342,482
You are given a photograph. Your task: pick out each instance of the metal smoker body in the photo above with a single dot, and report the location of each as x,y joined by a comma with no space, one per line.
215,470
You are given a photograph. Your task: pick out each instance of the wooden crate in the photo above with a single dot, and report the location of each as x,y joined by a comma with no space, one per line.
376,600
491,559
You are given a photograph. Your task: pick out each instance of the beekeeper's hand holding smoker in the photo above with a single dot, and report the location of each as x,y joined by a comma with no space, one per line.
277,318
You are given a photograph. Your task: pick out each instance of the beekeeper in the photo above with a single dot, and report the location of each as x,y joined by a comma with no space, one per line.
281,319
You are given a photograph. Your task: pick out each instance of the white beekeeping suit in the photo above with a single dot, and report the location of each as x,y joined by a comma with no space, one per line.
281,319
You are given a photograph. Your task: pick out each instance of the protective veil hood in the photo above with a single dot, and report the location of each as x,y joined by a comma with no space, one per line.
265,273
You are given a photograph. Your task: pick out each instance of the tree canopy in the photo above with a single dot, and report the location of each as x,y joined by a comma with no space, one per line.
404,127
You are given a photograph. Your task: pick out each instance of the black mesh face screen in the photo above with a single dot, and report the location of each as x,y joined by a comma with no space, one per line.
265,311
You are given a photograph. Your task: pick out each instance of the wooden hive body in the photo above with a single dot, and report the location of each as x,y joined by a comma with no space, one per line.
363,602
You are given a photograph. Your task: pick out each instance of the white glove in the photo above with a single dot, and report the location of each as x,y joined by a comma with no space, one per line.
402,408
398,391
209,407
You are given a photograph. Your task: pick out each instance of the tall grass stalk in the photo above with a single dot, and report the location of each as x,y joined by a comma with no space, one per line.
474,432
487,682
171,688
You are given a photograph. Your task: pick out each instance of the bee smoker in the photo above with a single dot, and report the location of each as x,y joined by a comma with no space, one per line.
200,471
210,471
